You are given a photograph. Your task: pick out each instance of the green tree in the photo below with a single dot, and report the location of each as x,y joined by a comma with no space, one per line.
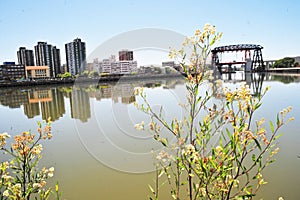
93,74
285,62
65,75
85,73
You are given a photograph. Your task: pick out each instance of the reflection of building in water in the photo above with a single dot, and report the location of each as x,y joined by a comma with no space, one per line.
51,102
55,108
125,91
31,110
36,96
80,104
46,101
13,98
120,92
128,100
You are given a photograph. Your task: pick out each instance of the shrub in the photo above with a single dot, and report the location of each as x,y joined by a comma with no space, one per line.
21,177
219,151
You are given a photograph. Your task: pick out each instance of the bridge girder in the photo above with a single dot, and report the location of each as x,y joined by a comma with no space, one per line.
257,62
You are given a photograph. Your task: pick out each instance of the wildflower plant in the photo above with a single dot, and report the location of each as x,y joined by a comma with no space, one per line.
21,177
218,151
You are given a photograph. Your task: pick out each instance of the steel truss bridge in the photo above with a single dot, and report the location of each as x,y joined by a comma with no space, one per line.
257,63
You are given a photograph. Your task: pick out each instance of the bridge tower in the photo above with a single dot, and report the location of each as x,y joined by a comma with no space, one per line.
257,64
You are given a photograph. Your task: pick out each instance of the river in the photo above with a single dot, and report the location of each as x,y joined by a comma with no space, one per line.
97,153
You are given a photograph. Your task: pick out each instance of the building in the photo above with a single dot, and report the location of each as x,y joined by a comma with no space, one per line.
47,55
105,66
37,72
123,66
96,65
76,56
25,57
125,55
56,60
127,67
168,64
10,70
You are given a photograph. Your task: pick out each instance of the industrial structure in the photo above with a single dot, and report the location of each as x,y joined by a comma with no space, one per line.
253,51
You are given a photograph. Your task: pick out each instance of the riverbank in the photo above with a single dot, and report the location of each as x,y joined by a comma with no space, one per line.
106,78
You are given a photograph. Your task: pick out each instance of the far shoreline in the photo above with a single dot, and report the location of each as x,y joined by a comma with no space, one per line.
100,79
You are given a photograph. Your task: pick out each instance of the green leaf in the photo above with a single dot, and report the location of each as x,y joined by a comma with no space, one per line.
257,143
278,136
257,106
164,141
277,120
253,157
272,126
151,189
39,124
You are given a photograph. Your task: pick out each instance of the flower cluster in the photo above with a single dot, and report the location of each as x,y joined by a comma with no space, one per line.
198,46
20,176
3,137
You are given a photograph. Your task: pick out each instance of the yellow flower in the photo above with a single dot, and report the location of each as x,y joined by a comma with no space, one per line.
219,149
185,42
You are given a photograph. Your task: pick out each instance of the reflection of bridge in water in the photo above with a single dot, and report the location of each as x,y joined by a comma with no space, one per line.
253,80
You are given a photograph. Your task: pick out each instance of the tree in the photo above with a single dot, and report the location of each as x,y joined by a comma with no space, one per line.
285,62
93,74
85,73
65,75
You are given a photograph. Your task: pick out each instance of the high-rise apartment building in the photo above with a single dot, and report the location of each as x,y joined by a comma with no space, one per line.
46,54
56,60
25,57
76,56
125,55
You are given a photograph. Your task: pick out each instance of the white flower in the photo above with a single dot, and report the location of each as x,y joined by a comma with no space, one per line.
140,126
50,174
4,135
6,193
6,177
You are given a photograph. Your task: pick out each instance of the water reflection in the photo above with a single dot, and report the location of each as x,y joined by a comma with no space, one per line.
286,78
103,132
49,101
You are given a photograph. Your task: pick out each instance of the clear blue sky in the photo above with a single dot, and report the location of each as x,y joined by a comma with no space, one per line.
275,24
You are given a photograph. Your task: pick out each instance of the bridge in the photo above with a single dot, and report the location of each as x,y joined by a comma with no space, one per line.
256,64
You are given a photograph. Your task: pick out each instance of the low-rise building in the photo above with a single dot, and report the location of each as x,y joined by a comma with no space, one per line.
11,70
37,72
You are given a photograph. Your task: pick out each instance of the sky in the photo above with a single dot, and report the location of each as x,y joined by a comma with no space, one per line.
274,24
